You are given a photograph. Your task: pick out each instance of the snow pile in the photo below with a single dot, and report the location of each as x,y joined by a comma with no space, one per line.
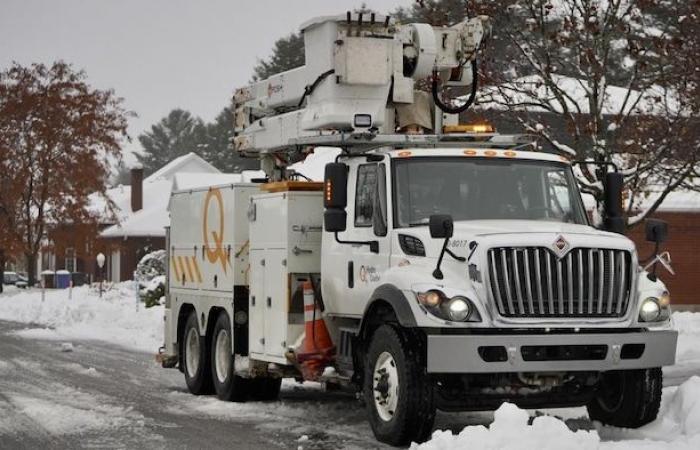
677,427
511,430
682,410
113,318
688,326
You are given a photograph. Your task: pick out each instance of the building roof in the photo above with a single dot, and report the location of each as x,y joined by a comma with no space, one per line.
151,220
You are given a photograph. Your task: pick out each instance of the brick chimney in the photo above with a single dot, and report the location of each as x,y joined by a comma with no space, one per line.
136,189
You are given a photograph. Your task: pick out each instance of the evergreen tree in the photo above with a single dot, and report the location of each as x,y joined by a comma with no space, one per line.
287,53
175,135
216,145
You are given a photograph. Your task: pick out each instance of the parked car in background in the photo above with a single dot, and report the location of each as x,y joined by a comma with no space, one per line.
15,279
22,280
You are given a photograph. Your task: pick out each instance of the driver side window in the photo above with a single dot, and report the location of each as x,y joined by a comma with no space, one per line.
364,194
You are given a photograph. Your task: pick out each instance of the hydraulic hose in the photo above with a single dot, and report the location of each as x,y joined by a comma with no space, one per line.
456,109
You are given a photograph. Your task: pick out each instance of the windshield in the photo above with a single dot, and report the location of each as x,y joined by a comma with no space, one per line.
484,189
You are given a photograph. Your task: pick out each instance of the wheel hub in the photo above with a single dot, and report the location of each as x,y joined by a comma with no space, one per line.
222,355
385,385
192,352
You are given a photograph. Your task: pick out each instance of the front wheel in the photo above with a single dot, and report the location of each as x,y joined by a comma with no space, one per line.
227,384
627,398
398,393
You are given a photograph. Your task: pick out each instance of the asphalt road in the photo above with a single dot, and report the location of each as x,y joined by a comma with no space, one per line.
102,396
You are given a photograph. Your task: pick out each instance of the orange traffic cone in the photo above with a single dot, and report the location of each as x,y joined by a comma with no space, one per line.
317,349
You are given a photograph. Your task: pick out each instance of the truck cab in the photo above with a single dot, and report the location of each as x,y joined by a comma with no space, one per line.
482,265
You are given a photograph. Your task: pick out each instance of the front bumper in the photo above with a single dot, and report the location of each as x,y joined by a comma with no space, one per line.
461,353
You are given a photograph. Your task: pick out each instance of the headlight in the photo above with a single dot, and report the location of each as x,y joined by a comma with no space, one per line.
650,310
458,309
455,309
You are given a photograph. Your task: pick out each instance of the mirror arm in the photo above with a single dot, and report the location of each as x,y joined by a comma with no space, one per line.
373,245
437,273
457,257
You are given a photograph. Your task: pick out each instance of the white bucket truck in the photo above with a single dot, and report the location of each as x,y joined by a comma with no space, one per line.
439,266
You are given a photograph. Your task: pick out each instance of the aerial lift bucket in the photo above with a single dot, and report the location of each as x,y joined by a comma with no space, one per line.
317,349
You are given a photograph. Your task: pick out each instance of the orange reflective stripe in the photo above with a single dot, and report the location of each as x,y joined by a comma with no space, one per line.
185,265
173,262
196,269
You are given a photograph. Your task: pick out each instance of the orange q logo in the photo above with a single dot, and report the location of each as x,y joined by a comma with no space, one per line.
216,251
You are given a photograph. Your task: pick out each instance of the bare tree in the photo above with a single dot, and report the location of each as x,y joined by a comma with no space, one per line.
610,73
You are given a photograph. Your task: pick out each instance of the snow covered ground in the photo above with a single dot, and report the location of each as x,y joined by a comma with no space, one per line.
115,319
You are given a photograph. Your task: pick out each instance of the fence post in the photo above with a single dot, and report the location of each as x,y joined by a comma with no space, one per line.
70,290
136,291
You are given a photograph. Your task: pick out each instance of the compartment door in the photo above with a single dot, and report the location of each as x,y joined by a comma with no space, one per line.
276,302
256,302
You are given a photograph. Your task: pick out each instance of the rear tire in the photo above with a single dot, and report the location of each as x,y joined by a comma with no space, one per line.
398,393
627,398
265,389
195,357
228,385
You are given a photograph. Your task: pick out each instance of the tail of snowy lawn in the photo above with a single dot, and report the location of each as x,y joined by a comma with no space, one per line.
113,318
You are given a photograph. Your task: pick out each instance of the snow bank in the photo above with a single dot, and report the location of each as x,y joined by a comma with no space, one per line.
677,427
511,430
688,326
113,318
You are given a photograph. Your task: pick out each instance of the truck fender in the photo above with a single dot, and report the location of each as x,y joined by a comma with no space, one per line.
388,293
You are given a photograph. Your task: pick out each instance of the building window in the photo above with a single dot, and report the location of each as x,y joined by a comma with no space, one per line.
364,194
70,260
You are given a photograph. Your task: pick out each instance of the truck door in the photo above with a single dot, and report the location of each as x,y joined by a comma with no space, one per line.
367,222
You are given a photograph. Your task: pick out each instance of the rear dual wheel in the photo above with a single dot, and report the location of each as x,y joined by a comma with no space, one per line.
227,384
195,357
211,368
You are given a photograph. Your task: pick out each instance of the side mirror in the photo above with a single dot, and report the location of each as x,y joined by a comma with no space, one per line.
656,230
334,220
441,226
335,186
613,220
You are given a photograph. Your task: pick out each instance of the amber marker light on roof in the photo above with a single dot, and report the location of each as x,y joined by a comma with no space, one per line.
404,154
469,128
510,153
469,152
490,153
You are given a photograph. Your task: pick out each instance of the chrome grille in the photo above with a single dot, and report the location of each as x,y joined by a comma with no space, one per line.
534,282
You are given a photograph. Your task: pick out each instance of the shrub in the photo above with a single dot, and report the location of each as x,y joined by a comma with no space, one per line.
152,265
154,291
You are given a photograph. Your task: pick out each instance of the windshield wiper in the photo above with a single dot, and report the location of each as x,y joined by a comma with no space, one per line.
420,223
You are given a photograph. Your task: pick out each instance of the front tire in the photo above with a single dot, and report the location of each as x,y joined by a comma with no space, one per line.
627,398
398,393
228,385
195,357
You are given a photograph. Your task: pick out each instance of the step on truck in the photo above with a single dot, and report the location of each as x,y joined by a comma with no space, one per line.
438,266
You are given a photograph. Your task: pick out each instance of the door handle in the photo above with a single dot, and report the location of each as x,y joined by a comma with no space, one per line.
298,251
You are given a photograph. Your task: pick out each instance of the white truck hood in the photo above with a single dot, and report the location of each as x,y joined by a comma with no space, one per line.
497,233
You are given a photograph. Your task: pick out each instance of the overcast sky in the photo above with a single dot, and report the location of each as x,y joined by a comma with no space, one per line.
159,54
